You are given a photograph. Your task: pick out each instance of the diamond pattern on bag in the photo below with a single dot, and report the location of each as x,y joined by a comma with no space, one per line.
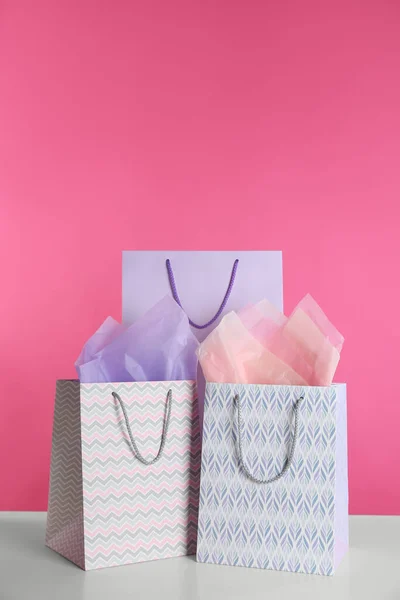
286,525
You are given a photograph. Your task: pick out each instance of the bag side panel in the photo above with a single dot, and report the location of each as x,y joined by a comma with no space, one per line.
341,485
64,528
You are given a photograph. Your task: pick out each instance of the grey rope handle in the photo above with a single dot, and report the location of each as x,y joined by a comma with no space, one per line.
163,436
291,451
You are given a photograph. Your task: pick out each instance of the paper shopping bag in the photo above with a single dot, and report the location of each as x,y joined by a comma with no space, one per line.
125,472
207,284
274,491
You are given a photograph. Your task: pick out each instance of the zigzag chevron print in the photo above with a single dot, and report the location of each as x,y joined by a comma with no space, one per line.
133,512
298,523
64,528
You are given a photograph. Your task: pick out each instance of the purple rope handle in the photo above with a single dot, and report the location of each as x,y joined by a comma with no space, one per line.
224,301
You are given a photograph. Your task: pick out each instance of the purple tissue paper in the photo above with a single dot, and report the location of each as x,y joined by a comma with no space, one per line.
159,346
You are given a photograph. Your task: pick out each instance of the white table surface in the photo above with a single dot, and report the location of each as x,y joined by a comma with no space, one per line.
371,571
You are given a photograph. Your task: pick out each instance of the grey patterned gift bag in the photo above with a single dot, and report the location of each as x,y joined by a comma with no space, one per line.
125,469
274,490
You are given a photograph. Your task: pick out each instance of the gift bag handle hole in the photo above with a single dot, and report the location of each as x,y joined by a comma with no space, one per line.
134,446
175,294
239,443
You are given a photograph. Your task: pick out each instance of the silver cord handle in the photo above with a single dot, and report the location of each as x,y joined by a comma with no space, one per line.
164,432
240,448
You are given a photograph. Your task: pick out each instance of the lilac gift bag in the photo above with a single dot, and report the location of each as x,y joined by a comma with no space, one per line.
202,281
207,284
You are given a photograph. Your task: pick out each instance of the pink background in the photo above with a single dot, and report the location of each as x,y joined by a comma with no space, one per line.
198,125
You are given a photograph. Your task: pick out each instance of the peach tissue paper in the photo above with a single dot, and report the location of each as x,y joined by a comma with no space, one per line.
259,344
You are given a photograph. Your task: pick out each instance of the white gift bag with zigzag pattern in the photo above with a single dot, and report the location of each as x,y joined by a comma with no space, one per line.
274,490
125,472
